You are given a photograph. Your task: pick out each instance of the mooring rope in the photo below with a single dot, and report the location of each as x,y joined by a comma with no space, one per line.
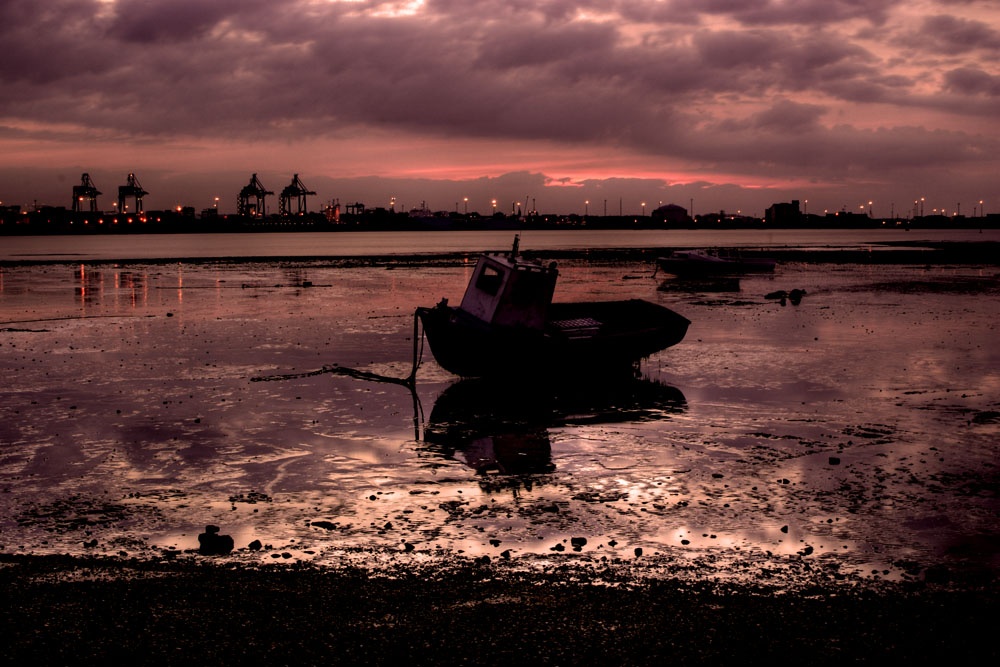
410,381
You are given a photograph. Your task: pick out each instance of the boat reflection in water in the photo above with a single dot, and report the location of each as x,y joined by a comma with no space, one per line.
502,427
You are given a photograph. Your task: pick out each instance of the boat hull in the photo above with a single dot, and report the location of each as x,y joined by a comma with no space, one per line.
578,338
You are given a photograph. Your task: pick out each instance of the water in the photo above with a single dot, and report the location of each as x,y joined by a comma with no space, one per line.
854,434
355,244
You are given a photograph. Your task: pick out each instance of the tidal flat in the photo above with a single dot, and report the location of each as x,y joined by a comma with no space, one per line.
848,442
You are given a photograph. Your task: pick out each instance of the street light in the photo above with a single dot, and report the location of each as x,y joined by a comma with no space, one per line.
466,200
494,202
586,207
644,209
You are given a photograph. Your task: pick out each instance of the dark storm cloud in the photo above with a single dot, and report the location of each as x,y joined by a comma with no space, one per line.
46,42
972,81
763,12
142,21
951,35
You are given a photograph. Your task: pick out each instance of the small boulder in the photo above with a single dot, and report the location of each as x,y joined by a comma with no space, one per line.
211,543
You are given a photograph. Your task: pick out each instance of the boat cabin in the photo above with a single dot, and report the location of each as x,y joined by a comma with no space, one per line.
509,291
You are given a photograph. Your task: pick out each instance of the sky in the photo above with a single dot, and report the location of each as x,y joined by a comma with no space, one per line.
717,104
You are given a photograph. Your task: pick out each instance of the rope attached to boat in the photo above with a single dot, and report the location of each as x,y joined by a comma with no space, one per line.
409,381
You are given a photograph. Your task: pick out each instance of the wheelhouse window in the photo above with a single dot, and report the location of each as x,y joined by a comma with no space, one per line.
489,281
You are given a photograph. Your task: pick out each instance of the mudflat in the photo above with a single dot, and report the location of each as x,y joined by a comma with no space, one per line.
811,478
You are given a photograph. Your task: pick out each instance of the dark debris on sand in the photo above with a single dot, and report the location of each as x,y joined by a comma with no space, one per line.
62,610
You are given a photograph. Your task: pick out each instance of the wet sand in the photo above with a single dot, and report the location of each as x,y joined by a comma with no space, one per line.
840,504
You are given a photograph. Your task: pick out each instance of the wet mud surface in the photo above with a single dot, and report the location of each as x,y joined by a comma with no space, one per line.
849,440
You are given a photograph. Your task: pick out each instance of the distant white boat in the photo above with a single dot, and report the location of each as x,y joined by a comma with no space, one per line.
704,263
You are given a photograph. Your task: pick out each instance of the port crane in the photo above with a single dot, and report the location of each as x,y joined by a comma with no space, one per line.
253,190
86,191
298,191
131,189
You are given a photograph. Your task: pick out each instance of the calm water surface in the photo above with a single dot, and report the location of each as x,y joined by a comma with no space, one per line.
351,244
854,433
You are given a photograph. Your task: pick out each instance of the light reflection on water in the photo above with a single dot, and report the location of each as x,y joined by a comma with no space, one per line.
860,425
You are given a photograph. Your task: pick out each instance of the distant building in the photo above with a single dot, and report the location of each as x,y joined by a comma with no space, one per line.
671,214
783,215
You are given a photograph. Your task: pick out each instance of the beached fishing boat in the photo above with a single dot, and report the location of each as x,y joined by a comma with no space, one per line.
508,325
686,263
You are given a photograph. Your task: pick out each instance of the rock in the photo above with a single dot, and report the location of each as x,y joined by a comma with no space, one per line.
211,543
795,296
578,542
408,547
255,545
326,525
638,552
834,460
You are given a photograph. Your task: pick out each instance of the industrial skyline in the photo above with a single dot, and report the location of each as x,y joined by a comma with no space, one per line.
252,202
731,105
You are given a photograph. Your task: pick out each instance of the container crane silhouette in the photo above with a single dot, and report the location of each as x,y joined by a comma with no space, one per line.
86,191
131,189
253,190
297,190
